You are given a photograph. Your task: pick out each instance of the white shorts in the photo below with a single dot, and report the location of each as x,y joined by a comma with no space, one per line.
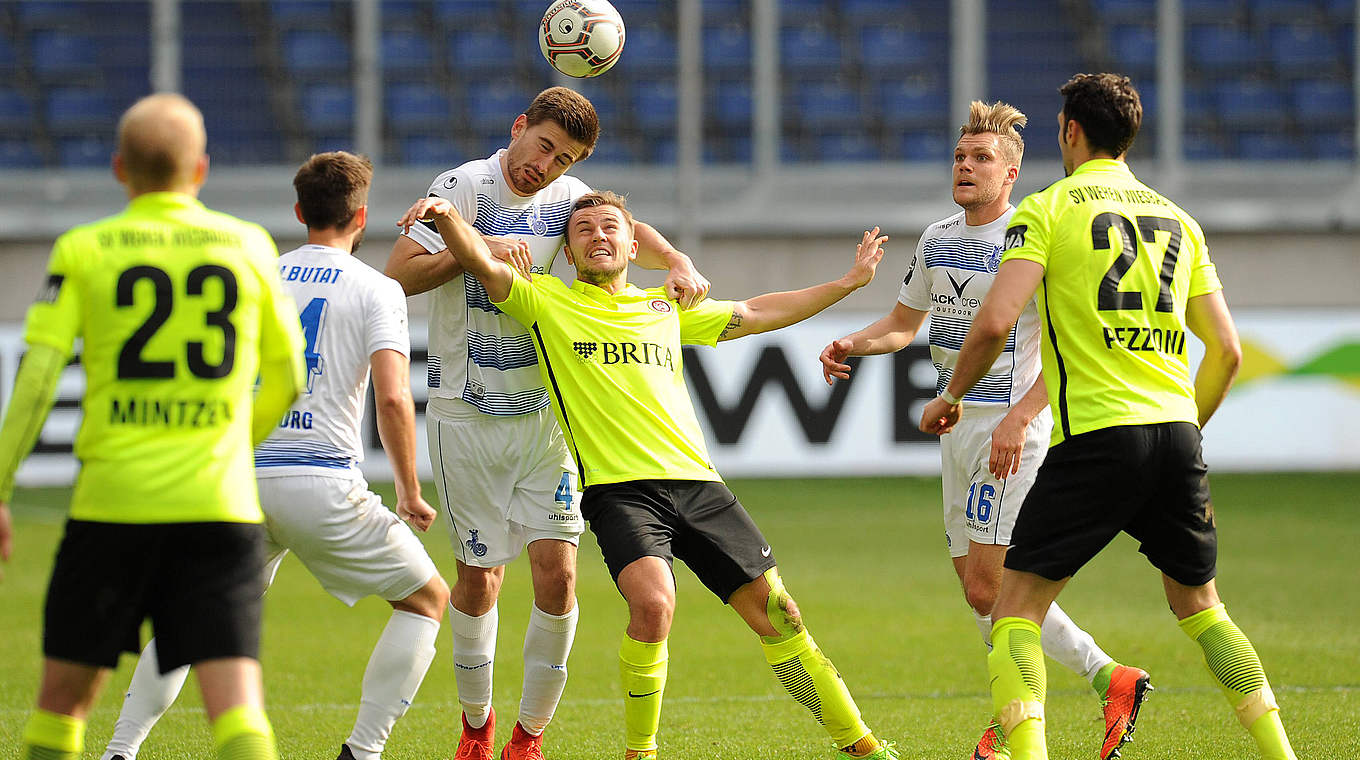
341,531
503,483
978,506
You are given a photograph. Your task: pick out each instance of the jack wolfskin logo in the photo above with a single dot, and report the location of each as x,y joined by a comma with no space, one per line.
584,349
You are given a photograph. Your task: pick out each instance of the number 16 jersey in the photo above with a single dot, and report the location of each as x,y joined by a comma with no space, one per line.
1120,262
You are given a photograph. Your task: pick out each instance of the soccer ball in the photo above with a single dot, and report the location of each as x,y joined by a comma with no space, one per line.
581,38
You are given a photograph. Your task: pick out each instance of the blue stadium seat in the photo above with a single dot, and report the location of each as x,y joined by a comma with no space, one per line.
9,59
1339,11
1221,11
48,13
801,12
655,104
402,14
84,152
468,14
616,150
1285,11
77,109
732,103
809,49
244,148
892,48
1126,11
1332,145
416,106
720,12
313,52
16,111
19,154
647,13
1270,146
1303,49
1200,103
933,146
848,146
327,107
727,48
303,13
406,51
478,51
1222,48
1134,48
858,13
1203,146
730,148
329,142
58,55
906,102
650,49
492,106
430,150
1252,103
1319,101
819,105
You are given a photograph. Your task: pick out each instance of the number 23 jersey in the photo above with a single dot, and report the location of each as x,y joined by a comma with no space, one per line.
1120,263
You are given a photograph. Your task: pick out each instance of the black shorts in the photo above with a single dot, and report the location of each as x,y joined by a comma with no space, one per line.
200,583
1149,481
697,521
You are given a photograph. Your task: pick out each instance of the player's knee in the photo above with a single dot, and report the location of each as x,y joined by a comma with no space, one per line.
780,607
981,595
654,611
478,585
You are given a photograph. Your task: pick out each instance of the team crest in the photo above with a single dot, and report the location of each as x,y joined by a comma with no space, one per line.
1015,237
476,547
536,223
584,349
994,259
659,306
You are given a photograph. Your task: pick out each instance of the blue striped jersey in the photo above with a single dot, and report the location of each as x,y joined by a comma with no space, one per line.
478,354
950,273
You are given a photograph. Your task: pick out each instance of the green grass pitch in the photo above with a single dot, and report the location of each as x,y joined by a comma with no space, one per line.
866,561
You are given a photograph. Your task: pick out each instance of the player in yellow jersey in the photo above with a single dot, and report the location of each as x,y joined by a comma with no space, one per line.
180,310
610,355
1121,274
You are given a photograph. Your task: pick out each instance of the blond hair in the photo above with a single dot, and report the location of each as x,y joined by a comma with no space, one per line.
1001,119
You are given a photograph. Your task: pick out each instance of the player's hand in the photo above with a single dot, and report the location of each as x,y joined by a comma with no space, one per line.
833,360
684,284
425,210
6,535
1008,441
416,512
512,251
940,416
867,255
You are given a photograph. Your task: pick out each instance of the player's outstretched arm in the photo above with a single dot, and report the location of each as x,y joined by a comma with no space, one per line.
1208,318
35,388
1008,439
417,269
683,283
464,242
772,311
280,383
893,332
397,430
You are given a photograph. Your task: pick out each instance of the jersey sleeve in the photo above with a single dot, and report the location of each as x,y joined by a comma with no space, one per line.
54,319
1028,234
703,323
1203,273
526,299
280,330
455,186
915,290
386,326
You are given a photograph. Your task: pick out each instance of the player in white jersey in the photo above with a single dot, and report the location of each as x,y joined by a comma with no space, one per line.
505,478
988,464
315,500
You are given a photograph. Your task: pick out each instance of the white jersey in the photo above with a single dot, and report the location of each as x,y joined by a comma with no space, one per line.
477,353
349,310
952,270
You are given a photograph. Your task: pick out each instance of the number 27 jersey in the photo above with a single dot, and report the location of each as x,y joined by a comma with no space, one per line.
1120,263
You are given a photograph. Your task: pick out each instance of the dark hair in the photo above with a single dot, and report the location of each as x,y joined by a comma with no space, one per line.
603,198
331,188
570,110
1108,109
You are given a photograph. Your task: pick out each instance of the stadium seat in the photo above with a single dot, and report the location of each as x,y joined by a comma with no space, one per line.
327,107
933,146
1203,146
77,109
848,146
1220,11
430,150
406,51
727,49
1252,103
860,13
1222,48
492,106
60,55
9,59
801,12
311,52
809,49
1305,49
330,142
1270,146
819,105
655,104
16,112
19,154
907,102
1285,11
475,52
729,148
721,12
1126,11
731,105
618,150
35,14
244,148
1332,145
650,50
1134,48
648,13
416,106
84,152
1339,11
1319,101
303,14
1200,103
466,14
889,49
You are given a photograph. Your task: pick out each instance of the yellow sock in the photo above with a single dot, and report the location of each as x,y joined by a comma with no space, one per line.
53,736
1019,683
809,677
642,667
244,733
1235,667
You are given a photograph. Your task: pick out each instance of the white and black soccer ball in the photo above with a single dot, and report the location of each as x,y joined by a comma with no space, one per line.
581,38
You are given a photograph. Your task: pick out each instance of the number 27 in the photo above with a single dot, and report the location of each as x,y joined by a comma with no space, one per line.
1109,297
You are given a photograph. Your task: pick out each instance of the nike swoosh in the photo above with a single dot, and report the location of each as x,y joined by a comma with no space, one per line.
765,552
648,694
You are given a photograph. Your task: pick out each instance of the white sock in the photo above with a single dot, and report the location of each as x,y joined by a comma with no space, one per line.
1074,648
546,646
400,659
148,696
984,624
474,654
